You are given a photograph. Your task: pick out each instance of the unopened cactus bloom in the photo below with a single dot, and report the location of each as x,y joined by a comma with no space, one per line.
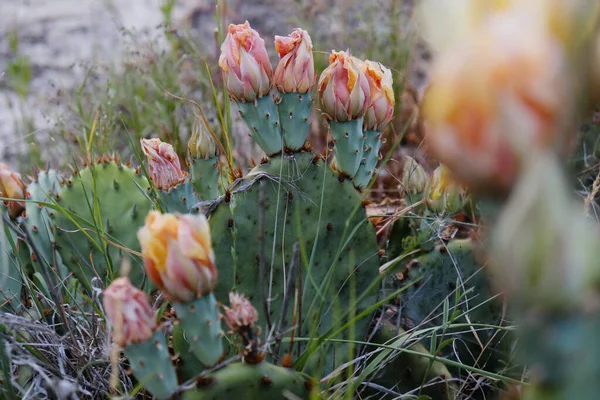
496,98
414,177
201,143
381,109
178,255
443,193
163,163
11,187
344,89
247,71
129,312
241,313
295,72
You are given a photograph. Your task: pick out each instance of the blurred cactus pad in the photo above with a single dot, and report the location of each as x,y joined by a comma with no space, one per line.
297,264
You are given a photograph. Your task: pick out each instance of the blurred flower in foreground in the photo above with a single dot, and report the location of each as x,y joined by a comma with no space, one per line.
247,71
545,251
129,312
344,89
163,163
494,99
381,109
178,255
443,193
295,72
11,187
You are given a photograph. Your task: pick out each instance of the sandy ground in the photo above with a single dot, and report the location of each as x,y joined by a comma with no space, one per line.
64,38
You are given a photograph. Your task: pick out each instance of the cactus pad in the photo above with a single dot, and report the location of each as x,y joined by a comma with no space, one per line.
113,198
244,381
293,194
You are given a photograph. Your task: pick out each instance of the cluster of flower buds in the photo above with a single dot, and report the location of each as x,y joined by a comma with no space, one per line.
11,187
502,85
178,255
163,164
129,312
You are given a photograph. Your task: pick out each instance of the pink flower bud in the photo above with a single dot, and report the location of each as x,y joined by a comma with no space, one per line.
344,89
11,187
163,164
178,255
381,110
295,72
247,71
241,314
129,312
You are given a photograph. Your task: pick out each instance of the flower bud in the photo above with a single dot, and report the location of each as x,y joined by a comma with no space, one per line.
241,314
381,109
201,143
129,312
414,177
495,99
178,255
295,72
247,71
163,164
443,193
11,187
344,89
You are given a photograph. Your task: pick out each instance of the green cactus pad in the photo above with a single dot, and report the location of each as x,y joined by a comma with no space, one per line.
243,381
437,276
202,326
294,115
151,365
297,193
179,199
205,177
366,170
349,141
40,219
10,274
262,118
115,197
404,371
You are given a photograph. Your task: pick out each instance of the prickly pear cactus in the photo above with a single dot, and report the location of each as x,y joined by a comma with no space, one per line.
10,274
289,199
181,198
245,381
40,218
104,204
451,272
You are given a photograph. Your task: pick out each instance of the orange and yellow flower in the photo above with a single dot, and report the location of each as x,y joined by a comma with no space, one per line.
178,255
11,187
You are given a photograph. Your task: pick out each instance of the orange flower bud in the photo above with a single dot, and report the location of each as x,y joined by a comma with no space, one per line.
247,71
129,312
163,164
11,187
295,72
344,88
381,109
178,255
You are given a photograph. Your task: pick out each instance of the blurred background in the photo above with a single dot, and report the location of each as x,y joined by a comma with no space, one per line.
71,68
